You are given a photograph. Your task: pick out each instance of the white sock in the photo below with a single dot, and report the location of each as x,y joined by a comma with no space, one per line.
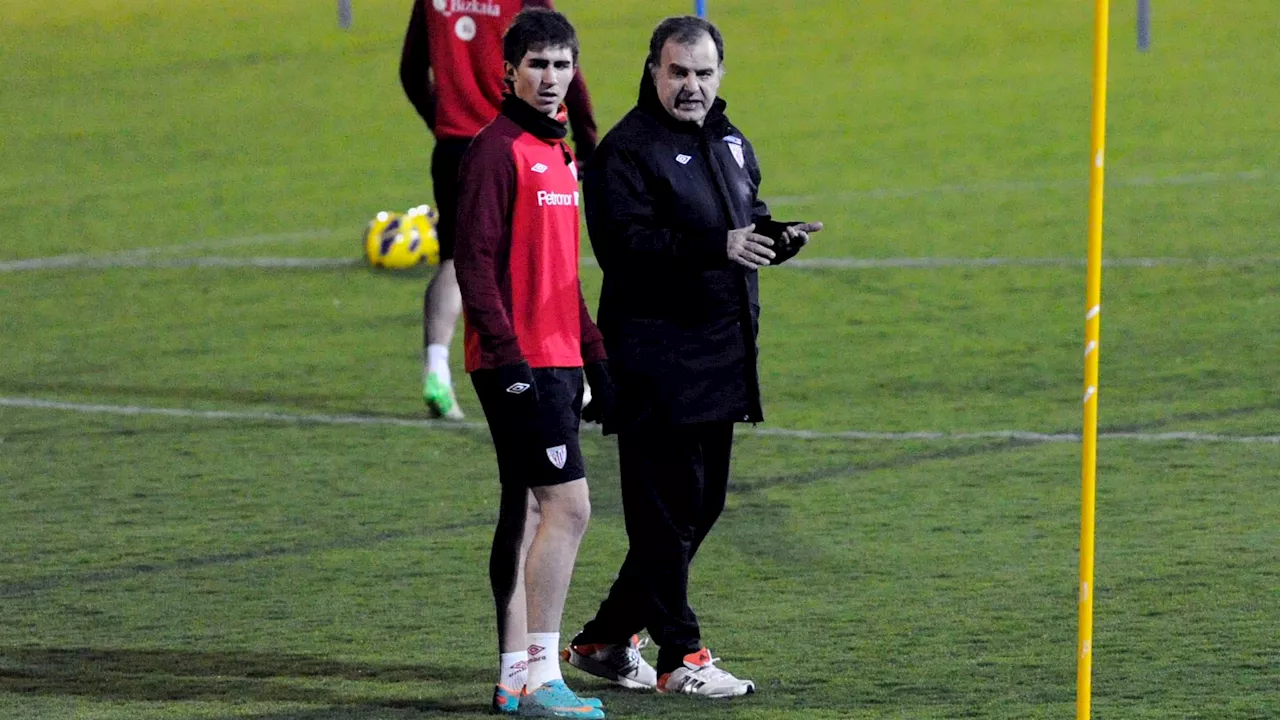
513,672
544,659
438,362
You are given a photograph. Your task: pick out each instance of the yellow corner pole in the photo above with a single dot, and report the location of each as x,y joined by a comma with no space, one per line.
1092,328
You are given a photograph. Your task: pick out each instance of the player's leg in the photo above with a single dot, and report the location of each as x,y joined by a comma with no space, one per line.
565,510
518,520
442,302
559,485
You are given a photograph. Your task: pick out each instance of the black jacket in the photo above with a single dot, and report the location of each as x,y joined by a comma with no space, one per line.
679,318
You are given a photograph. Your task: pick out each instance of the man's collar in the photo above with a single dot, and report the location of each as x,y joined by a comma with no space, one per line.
531,121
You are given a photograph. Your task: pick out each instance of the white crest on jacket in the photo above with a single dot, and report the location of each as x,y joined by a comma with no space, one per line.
735,148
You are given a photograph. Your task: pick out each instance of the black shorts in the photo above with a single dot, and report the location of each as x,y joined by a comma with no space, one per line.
548,454
446,160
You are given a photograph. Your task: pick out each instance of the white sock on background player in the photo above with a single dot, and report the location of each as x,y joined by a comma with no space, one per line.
438,363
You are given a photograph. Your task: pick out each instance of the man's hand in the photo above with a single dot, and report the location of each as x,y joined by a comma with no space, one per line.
749,249
794,237
799,233
602,395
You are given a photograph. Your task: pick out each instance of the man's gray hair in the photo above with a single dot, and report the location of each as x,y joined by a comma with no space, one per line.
685,30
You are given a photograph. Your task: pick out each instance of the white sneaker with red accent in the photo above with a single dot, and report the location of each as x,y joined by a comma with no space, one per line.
620,664
700,676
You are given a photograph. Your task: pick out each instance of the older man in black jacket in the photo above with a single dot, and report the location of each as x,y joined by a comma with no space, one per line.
680,231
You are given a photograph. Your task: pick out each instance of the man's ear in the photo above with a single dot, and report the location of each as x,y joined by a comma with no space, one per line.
509,72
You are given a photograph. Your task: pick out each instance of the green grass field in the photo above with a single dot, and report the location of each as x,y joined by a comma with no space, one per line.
292,543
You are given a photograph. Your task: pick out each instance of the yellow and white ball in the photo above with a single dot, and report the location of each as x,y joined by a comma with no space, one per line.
401,241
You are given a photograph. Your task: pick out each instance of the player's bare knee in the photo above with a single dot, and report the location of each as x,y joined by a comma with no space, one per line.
575,515
567,507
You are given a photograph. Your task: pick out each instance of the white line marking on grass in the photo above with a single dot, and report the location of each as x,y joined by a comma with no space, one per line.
146,259
103,262
932,263
28,403
292,418
149,261
133,257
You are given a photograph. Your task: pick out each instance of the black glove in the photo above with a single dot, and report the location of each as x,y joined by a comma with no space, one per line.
602,396
519,391
784,250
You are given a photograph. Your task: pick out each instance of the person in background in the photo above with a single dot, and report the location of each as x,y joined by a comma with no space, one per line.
451,69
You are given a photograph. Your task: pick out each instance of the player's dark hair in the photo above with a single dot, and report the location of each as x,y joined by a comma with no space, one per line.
537,29
685,30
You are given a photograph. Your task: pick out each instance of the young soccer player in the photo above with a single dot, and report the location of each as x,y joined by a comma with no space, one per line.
528,336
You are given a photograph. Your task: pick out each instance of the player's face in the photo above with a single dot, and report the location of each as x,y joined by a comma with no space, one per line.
542,78
688,78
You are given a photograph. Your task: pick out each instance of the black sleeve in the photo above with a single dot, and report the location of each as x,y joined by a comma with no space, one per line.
415,66
486,189
625,225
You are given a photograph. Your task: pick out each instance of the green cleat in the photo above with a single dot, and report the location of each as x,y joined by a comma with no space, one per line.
440,400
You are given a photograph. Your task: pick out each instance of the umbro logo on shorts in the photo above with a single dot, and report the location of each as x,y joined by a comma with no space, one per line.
557,455
517,388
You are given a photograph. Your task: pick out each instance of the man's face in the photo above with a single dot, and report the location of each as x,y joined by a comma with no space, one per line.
542,78
688,78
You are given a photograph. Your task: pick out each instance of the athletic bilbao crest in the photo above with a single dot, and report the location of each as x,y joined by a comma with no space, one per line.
557,455
735,147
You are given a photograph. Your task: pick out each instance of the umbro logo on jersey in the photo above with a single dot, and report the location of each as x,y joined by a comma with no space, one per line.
517,388
683,159
539,168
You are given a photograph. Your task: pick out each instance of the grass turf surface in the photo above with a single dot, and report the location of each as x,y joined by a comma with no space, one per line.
184,568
